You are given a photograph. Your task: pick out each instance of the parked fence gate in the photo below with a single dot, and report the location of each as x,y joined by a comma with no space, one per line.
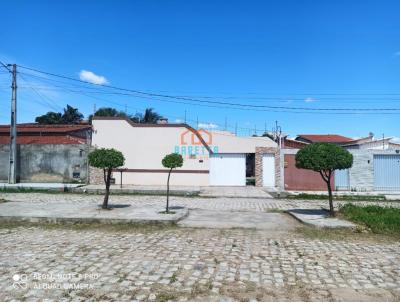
387,172
342,180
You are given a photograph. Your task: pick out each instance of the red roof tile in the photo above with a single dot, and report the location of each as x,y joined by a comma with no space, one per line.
326,138
45,128
44,140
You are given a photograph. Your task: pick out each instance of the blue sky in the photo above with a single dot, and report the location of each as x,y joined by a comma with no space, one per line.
278,53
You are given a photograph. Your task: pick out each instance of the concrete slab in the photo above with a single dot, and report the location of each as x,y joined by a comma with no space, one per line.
237,192
66,212
226,220
319,218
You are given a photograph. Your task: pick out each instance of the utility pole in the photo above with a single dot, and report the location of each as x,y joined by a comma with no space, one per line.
185,116
383,140
12,172
236,129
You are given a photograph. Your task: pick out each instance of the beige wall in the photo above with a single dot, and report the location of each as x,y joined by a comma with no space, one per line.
229,143
144,148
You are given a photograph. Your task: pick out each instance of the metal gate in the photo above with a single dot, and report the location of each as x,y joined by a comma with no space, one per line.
342,179
386,172
302,179
227,169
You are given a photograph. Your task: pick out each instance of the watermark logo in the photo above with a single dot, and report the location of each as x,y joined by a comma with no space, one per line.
192,147
54,280
20,281
188,137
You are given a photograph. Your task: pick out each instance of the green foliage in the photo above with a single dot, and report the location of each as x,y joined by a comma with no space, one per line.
172,161
108,111
150,116
381,220
49,118
106,158
306,196
69,116
323,156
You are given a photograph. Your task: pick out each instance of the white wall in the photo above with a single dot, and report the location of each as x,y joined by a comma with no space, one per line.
145,147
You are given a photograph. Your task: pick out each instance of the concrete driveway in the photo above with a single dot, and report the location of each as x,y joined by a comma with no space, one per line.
200,218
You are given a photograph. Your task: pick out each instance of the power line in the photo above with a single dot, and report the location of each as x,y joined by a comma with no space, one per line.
225,107
49,103
190,99
6,67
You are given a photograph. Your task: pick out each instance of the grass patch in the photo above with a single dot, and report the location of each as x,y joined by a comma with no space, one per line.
380,220
118,227
360,235
306,196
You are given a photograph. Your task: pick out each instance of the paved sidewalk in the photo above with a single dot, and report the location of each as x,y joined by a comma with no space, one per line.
217,191
64,212
132,189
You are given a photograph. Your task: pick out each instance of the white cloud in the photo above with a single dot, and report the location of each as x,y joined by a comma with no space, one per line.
91,77
208,125
179,121
396,140
310,100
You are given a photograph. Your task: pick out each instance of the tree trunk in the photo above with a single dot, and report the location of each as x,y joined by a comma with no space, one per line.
167,207
326,176
108,181
331,210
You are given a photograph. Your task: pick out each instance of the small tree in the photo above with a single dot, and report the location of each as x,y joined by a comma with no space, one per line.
324,158
171,161
106,159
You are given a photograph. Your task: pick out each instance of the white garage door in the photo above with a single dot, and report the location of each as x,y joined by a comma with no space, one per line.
269,170
227,169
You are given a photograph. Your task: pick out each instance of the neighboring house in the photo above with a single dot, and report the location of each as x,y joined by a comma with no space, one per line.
210,157
376,165
47,153
371,143
323,138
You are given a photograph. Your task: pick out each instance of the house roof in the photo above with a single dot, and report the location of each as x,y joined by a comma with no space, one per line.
36,128
291,143
326,138
44,140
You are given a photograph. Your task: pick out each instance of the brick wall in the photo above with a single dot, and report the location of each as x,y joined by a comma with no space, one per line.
361,174
259,165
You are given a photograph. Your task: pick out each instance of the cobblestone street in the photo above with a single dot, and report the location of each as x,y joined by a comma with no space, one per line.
152,264
220,203
134,264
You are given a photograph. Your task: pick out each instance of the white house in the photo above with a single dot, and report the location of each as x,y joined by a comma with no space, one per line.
210,157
